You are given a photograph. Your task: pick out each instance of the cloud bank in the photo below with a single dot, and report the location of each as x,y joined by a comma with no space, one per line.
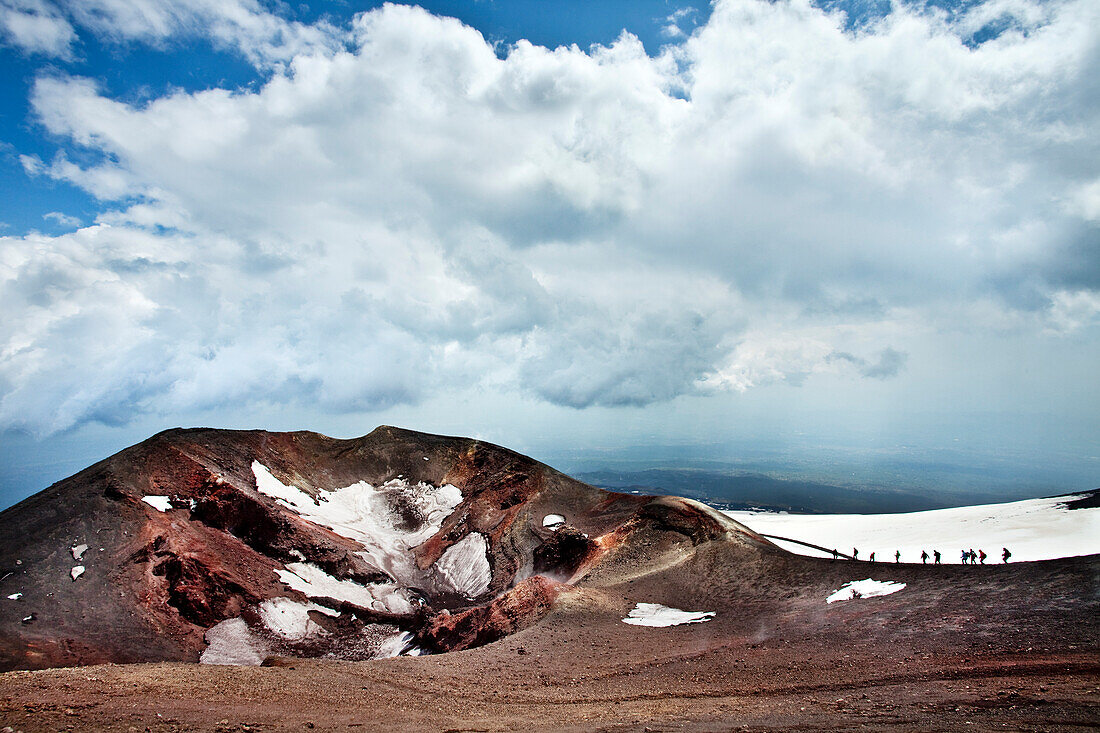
402,210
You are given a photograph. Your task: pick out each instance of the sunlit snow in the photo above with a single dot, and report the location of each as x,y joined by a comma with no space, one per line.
76,572
399,645
313,581
365,514
15,596
231,642
1034,529
864,589
78,551
465,565
160,503
654,614
290,619
553,520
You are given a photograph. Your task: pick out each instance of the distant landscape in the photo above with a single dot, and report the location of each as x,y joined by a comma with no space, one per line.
742,490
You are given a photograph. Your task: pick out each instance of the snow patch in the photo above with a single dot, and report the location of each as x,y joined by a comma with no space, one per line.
313,581
15,596
465,565
399,645
654,614
160,503
78,551
388,520
231,642
290,619
864,589
76,572
553,520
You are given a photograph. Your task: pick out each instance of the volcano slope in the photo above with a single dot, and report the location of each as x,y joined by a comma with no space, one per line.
315,555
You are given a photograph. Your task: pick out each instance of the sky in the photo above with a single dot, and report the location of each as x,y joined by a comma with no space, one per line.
843,232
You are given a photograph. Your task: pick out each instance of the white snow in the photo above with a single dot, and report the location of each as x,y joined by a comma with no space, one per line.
160,503
553,520
465,565
231,642
398,645
78,551
864,589
76,572
313,581
654,614
371,516
1033,529
290,618
15,596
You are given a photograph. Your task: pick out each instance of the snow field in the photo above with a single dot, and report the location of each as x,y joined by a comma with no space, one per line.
1033,529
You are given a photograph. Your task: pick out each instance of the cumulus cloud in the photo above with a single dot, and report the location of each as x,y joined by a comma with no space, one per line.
246,26
63,220
36,26
400,210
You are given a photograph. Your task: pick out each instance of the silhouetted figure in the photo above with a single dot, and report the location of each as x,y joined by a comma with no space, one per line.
981,557
973,556
855,554
936,553
924,557
965,556
897,556
835,553
1005,554
872,558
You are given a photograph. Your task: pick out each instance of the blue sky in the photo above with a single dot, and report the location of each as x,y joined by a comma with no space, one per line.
847,229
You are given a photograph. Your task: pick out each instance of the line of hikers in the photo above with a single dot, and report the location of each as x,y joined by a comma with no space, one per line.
968,556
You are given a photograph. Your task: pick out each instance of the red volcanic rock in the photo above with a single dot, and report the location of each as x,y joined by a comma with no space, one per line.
519,608
155,582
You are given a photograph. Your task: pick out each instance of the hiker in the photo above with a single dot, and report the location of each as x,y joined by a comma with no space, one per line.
924,557
872,557
897,556
1005,554
855,554
937,554
981,557
835,553
965,556
973,556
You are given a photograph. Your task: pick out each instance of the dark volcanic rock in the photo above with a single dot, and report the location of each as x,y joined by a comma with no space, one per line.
517,609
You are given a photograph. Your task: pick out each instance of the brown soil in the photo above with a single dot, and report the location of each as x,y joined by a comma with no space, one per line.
960,649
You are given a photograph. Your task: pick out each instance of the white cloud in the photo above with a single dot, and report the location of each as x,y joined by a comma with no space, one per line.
36,26
64,220
385,221
246,26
